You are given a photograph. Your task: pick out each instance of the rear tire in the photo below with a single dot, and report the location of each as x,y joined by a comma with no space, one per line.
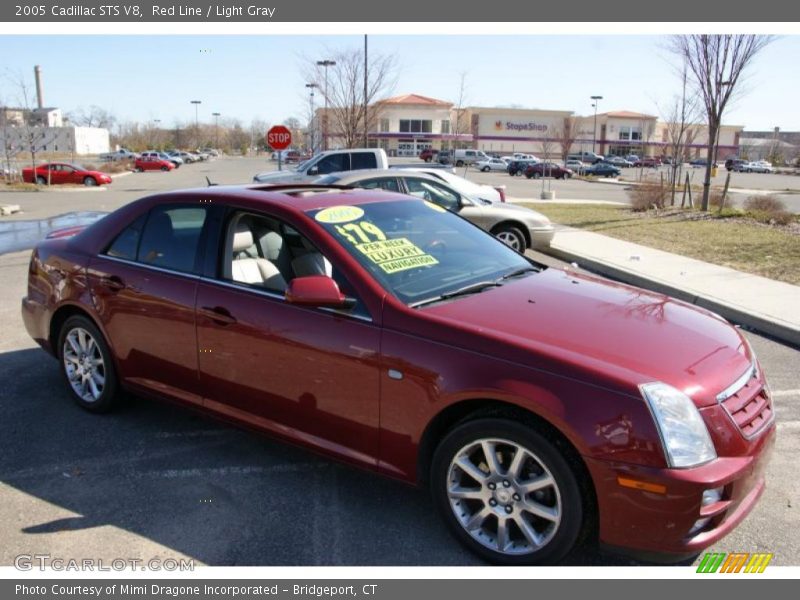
507,492
87,365
41,180
139,170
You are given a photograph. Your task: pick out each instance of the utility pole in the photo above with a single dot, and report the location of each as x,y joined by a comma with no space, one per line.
326,63
216,116
311,124
594,130
197,104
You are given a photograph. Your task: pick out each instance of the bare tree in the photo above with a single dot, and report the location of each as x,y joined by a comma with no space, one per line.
681,118
32,137
258,129
94,116
344,91
459,124
717,64
566,134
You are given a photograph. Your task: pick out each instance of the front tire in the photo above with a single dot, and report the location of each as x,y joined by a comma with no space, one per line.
90,182
511,236
165,168
507,493
87,365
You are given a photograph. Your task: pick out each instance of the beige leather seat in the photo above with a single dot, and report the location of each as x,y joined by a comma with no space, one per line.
311,263
257,271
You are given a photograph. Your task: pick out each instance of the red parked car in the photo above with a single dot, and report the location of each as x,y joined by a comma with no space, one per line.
542,407
57,173
544,169
152,163
428,154
648,161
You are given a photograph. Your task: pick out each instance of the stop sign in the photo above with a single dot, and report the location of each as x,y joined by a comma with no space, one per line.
279,138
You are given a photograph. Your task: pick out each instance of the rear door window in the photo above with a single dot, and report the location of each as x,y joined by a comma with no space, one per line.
364,160
171,236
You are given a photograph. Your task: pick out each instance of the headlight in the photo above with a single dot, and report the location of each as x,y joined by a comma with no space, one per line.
683,431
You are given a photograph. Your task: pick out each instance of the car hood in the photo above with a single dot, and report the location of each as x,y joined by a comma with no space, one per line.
600,328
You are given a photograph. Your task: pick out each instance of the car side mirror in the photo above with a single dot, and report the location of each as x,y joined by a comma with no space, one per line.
317,290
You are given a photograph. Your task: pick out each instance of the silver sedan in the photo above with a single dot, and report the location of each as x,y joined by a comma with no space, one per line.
517,226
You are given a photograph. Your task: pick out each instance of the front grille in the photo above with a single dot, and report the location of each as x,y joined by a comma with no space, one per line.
750,408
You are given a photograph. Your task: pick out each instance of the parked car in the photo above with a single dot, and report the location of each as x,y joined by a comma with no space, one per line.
186,157
491,164
517,226
547,169
330,161
699,162
618,161
541,407
176,161
445,157
467,157
121,154
152,163
59,173
517,167
524,156
732,163
575,165
602,169
632,158
650,162
753,167
428,154
462,185
586,157
213,152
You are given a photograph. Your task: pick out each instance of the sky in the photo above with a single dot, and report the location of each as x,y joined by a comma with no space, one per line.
143,78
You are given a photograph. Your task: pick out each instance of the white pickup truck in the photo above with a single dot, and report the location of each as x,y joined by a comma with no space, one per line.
331,161
121,154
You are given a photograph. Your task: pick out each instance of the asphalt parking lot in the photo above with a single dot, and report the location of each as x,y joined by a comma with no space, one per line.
153,480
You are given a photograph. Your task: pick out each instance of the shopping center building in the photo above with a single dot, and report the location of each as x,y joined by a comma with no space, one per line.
405,125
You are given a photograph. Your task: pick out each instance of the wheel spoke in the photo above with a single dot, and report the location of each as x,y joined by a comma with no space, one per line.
98,379
476,521
82,339
516,462
462,493
71,358
90,346
468,467
540,510
93,388
502,533
490,454
73,344
534,539
536,484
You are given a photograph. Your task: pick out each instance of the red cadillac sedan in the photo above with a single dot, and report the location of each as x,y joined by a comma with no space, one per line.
58,173
542,407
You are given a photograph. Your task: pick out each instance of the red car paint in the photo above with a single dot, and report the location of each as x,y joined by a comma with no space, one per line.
151,163
61,173
571,349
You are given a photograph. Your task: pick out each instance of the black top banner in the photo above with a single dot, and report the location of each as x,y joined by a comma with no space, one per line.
301,11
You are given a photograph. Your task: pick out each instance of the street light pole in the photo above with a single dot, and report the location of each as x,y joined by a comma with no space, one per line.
594,130
197,104
326,63
311,123
216,116
156,122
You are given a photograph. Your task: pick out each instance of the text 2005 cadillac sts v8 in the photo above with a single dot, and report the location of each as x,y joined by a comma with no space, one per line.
542,407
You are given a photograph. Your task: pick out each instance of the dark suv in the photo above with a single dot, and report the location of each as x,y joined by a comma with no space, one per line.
543,169
734,164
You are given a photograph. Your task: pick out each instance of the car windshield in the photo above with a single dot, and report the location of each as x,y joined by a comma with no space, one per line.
419,252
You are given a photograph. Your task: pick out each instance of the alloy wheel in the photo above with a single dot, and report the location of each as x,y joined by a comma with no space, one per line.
84,365
504,496
508,237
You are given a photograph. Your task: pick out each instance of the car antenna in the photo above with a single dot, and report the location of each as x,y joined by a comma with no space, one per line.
210,184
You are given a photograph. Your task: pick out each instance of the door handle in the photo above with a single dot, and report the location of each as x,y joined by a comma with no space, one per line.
112,283
218,314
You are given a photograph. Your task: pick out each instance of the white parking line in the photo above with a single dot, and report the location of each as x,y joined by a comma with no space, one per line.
779,393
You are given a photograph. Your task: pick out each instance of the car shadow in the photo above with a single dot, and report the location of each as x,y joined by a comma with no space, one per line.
202,488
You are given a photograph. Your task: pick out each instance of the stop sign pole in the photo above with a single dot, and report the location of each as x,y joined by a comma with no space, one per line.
279,138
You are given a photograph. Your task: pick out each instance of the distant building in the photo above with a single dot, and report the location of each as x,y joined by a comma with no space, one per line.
47,129
405,125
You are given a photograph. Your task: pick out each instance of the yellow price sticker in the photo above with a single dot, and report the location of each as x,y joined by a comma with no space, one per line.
435,207
339,214
399,254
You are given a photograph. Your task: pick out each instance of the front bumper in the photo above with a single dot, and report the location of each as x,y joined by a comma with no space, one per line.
541,236
660,523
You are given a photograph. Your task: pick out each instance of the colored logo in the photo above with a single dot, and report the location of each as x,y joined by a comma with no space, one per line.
339,214
735,562
498,125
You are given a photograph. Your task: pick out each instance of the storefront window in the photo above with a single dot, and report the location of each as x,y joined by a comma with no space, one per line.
445,126
384,125
415,126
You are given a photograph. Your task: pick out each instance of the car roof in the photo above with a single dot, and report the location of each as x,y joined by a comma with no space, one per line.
294,197
346,176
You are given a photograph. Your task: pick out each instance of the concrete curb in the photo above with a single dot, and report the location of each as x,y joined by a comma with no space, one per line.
777,330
